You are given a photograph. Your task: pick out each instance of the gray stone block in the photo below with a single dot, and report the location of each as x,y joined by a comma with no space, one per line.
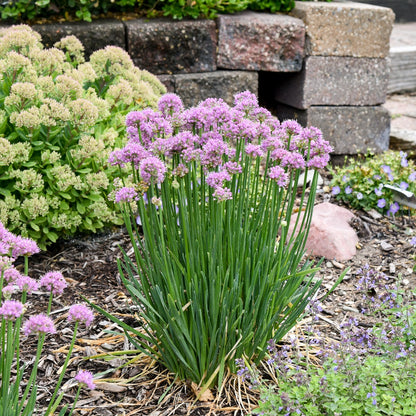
168,81
327,80
165,47
350,130
260,42
193,88
94,36
344,28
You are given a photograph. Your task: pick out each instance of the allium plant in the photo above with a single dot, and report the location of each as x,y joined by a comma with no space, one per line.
368,371
361,183
60,117
216,273
18,385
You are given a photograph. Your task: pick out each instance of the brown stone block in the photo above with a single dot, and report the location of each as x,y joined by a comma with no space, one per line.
193,88
164,46
350,130
345,28
333,80
260,42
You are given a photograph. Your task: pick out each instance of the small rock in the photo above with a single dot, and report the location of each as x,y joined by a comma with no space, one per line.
375,215
392,268
112,387
338,265
330,234
329,265
405,282
385,246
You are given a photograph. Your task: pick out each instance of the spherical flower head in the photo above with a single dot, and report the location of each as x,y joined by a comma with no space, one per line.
381,203
170,104
27,284
217,179
152,170
54,282
336,190
11,274
24,247
279,175
39,324
254,150
126,194
9,290
222,194
80,313
85,378
11,309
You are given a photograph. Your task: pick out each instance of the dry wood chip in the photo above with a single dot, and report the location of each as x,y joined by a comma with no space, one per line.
114,388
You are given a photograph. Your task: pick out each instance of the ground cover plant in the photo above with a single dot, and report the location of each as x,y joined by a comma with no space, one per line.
21,10
368,371
361,183
18,382
60,117
212,187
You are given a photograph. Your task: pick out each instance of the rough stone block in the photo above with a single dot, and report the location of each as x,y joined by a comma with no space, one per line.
95,35
168,81
345,28
260,42
193,88
348,129
165,47
334,80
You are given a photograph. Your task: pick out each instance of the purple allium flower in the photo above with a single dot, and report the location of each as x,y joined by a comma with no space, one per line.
245,100
216,179
5,263
336,190
222,194
381,203
394,208
11,274
54,282
212,152
152,170
404,185
126,194
254,150
293,160
279,175
348,190
232,167
9,290
38,324
291,127
27,284
412,177
11,309
134,153
85,378
80,313
359,196
170,104
24,247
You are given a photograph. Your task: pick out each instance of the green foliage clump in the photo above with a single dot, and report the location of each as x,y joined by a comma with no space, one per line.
21,10
361,183
60,117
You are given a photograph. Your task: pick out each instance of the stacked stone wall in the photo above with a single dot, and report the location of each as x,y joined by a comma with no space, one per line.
325,64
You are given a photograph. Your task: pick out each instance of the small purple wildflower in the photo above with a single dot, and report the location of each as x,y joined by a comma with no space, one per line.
359,196
381,203
39,324
404,185
412,177
54,282
279,175
11,309
413,241
336,190
348,190
378,191
80,313
85,378
404,163
394,208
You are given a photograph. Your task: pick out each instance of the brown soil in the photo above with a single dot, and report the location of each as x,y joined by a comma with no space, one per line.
89,265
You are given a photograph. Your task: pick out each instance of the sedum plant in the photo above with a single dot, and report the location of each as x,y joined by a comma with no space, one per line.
361,184
215,272
60,117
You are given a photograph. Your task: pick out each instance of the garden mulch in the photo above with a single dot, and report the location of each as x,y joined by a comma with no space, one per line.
132,384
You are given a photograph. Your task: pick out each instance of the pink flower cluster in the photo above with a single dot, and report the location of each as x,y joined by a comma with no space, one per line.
16,246
85,378
167,141
80,313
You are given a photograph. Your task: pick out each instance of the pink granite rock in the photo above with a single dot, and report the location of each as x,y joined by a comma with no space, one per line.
330,235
